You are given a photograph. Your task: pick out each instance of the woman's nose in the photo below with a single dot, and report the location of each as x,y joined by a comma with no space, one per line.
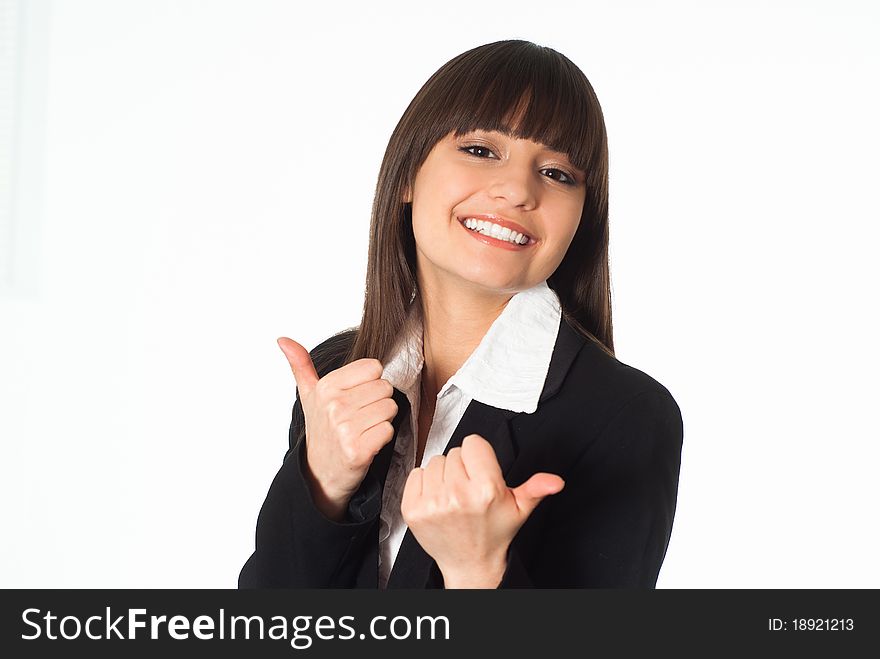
515,184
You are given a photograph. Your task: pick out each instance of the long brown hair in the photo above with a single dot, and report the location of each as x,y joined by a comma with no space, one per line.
485,88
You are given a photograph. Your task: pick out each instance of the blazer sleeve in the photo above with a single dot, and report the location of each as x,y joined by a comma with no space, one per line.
610,526
297,546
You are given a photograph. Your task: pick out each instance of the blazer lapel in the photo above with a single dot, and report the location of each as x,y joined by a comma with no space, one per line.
413,567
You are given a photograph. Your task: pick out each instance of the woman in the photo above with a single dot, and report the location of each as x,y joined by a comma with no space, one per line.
476,430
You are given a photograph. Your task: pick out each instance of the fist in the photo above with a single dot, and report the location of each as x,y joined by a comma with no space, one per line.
348,416
463,514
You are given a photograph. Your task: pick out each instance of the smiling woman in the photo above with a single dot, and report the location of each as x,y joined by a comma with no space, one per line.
476,429
503,183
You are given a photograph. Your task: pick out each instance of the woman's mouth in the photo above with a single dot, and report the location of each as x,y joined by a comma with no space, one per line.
495,233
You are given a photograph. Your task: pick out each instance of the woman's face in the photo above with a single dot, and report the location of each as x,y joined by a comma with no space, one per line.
513,183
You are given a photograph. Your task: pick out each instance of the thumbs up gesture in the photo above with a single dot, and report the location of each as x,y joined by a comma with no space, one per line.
463,514
348,416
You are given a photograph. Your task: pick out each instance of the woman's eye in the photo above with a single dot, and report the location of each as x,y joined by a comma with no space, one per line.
561,176
474,148
554,174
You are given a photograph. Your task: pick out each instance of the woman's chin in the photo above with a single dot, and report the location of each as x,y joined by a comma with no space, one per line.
493,283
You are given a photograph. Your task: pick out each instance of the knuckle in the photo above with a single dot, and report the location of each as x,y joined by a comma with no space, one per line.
435,507
454,501
344,431
410,514
373,367
349,452
388,428
334,408
486,494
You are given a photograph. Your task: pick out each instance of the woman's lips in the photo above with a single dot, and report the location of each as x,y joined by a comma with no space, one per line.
495,242
503,222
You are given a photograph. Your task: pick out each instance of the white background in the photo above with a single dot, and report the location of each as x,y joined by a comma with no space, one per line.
206,176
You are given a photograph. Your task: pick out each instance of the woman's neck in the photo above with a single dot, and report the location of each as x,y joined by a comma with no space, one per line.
453,326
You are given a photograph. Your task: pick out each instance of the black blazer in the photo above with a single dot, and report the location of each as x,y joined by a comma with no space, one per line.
611,431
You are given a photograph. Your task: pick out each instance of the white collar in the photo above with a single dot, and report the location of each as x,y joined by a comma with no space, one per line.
507,369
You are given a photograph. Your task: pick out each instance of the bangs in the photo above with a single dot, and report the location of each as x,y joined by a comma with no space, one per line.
525,91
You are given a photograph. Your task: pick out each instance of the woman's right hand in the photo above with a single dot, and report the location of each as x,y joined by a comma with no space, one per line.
348,416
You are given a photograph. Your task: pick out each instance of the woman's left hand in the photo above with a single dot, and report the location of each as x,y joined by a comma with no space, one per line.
463,514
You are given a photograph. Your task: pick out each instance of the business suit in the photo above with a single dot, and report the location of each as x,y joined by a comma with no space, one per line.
612,432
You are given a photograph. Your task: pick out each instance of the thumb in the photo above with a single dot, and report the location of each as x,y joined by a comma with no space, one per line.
532,492
300,363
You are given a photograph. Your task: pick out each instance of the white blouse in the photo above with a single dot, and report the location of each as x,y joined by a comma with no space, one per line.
506,370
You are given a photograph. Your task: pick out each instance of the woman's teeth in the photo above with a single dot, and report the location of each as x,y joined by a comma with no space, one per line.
496,231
